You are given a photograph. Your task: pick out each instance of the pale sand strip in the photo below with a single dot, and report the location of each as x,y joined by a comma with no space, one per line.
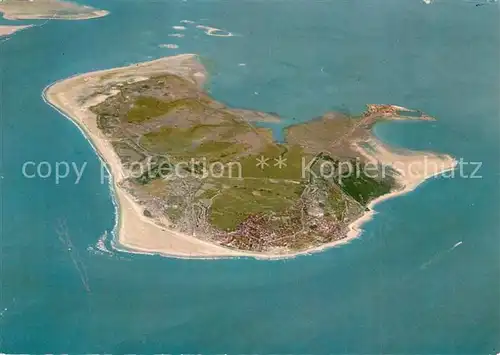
48,9
8,30
136,233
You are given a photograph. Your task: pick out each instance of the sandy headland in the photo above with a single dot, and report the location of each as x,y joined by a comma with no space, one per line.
9,30
136,232
48,9
413,169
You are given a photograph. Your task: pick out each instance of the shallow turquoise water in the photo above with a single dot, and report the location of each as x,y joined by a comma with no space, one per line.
399,288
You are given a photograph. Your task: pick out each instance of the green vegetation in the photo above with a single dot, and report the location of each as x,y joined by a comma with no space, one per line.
237,199
363,187
145,108
223,152
270,168
161,169
190,143
167,140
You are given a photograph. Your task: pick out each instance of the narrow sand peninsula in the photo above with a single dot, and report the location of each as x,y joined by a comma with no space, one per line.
8,30
48,9
413,169
72,97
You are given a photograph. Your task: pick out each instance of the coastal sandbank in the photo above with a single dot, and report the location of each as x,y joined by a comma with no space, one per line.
8,30
137,233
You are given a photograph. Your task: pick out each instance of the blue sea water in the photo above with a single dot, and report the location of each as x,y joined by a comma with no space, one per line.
402,287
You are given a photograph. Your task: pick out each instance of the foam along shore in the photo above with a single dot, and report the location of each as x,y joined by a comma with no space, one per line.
9,30
48,9
216,32
135,232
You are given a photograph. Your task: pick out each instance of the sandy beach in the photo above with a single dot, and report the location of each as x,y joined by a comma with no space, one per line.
8,30
48,9
139,234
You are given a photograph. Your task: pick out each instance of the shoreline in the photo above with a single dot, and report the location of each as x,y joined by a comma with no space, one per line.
355,227
135,233
49,10
96,14
8,30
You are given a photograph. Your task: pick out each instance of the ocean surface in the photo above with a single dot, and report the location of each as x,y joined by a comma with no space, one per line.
424,277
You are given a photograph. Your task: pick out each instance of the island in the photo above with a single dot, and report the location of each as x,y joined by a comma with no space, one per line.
195,178
48,9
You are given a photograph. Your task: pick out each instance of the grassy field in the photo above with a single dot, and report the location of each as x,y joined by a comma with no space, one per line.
145,108
237,199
